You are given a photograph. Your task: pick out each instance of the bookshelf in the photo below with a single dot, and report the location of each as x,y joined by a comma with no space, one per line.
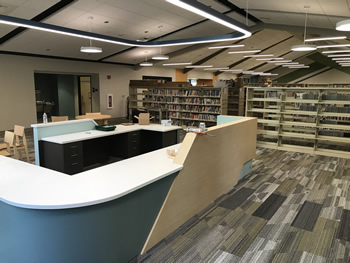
184,104
236,97
311,119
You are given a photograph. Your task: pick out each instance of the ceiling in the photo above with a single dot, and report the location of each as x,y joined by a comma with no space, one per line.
276,26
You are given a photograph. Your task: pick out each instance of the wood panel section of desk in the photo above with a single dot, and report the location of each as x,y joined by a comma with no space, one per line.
75,157
212,165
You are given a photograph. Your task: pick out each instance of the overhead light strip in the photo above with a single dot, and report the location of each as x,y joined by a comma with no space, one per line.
178,64
244,51
336,51
229,46
207,12
199,66
260,55
337,45
340,55
324,38
242,29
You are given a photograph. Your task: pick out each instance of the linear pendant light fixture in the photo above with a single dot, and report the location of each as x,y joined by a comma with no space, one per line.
191,5
304,47
229,46
146,63
324,38
90,49
207,12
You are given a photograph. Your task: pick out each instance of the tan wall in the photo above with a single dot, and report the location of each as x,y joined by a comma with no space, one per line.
180,76
17,97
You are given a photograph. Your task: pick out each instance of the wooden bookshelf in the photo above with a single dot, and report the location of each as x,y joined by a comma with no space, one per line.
313,119
184,104
236,97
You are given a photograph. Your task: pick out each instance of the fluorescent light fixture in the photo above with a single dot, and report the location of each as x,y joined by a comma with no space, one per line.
178,64
245,51
160,57
215,68
229,46
198,66
274,74
337,45
91,49
336,51
146,64
257,56
20,22
340,55
304,47
257,73
343,25
232,70
324,38
279,61
263,59
340,59
345,65
299,66
207,12
248,72
292,65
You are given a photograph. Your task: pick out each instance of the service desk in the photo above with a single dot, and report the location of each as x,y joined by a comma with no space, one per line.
115,212
75,152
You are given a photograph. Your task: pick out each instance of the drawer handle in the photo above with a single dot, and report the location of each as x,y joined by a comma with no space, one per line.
74,164
74,146
74,155
134,141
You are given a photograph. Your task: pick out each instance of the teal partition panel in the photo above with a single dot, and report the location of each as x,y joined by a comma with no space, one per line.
53,129
247,167
114,231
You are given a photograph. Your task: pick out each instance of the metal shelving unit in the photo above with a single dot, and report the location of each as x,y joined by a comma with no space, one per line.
313,119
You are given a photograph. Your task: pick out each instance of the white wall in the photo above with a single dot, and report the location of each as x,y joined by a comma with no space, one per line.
17,92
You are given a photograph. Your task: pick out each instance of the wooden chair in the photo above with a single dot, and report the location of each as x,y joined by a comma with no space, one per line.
21,142
5,148
59,118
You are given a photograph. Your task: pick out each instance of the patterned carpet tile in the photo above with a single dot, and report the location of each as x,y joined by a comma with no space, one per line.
307,216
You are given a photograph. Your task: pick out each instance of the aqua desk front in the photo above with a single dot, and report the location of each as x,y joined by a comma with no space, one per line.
101,215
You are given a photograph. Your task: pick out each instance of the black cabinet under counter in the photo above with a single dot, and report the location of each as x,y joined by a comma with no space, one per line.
75,157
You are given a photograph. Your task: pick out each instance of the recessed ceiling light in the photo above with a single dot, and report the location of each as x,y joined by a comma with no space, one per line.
324,38
245,51
229,46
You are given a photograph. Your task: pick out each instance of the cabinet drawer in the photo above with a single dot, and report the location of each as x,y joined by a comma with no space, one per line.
73,148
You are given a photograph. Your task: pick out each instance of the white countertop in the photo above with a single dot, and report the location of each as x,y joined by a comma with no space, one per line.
30,186
87,135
